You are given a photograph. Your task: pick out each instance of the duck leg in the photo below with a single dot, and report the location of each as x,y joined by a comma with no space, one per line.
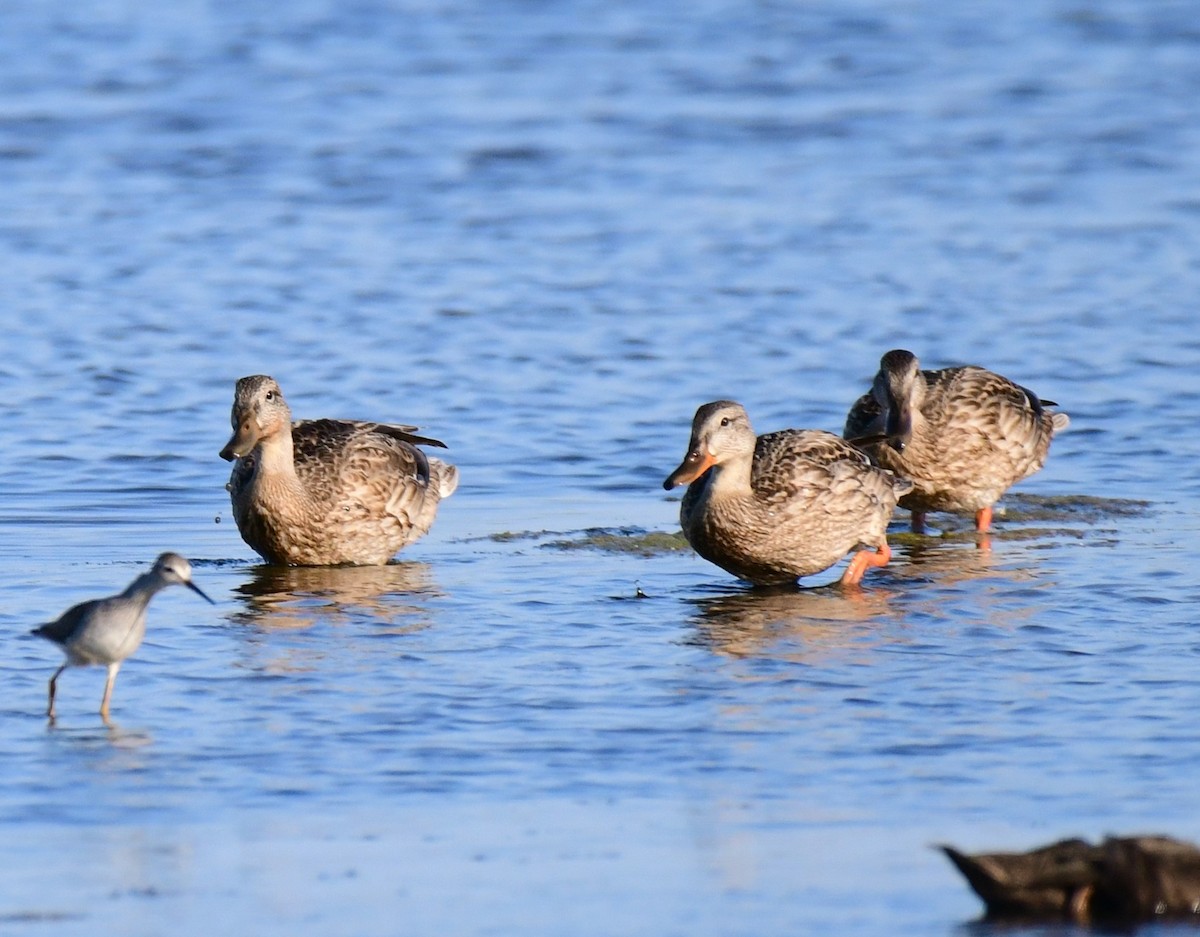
983,519
918,522
864,559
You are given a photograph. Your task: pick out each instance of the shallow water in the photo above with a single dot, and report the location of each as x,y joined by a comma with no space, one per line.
546,233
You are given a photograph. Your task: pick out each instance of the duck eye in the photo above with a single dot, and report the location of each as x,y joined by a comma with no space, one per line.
270,395
725,421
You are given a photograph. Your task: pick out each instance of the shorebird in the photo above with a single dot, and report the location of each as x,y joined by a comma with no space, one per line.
106,631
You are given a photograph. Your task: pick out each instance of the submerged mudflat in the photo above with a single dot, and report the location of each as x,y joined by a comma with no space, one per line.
1020,516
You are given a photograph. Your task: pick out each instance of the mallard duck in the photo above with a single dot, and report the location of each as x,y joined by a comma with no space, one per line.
327,492
963,435
1123,879
107,631
770,509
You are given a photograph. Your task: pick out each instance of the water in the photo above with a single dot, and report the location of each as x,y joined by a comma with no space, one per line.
546,233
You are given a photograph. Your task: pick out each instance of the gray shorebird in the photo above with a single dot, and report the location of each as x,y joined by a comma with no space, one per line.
106,631
327,492
770,509
963,435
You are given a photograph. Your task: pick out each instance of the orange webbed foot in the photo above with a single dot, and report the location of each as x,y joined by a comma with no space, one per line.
864,559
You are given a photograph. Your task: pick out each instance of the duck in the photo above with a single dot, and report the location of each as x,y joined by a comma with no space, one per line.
327,492
962,435
774,508
1122,880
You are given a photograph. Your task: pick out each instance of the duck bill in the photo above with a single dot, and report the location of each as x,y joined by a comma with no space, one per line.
241,442
195,588
898,427
691,468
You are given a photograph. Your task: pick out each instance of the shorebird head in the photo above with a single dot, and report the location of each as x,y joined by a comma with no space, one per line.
174,569
259,410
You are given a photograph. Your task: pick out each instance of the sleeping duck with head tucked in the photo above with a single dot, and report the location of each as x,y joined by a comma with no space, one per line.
964,435
770,509
327,492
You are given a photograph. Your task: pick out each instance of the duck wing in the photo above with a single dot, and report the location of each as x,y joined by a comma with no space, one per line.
865,421
312,434
792,461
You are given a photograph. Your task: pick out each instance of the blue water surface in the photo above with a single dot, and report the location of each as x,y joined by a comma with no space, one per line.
546,232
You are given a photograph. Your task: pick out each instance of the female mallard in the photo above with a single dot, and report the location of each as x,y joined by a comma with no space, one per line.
963,435
773,508
327,492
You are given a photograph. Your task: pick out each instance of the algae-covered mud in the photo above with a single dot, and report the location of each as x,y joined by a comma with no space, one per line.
1018,517
611,539
1022,516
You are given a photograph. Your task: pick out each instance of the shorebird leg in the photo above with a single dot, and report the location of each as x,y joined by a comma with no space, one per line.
864,559
108,688
53,688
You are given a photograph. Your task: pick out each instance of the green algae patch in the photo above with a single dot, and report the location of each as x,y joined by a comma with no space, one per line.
1029,508
1018,517
1023,517
623,540
635,540
513,536
942,533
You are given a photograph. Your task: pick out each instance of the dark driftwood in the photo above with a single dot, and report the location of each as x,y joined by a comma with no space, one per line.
1132,878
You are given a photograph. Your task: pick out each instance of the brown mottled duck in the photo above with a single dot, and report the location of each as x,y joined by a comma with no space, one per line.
770,509
963,435
327,492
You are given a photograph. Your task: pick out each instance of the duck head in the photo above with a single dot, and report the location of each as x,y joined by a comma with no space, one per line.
721,432
898,388
259,410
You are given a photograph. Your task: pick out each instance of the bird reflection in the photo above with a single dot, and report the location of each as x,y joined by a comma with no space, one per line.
795,622
946,562
755,621
295,597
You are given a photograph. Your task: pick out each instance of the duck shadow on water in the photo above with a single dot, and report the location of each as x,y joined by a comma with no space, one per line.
758,621
797,620
1043,520
933,560
931,567
299,597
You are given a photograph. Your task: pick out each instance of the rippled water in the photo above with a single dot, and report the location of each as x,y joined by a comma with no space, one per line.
546,233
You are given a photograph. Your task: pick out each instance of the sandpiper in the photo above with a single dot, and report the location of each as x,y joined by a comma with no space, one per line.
106,631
